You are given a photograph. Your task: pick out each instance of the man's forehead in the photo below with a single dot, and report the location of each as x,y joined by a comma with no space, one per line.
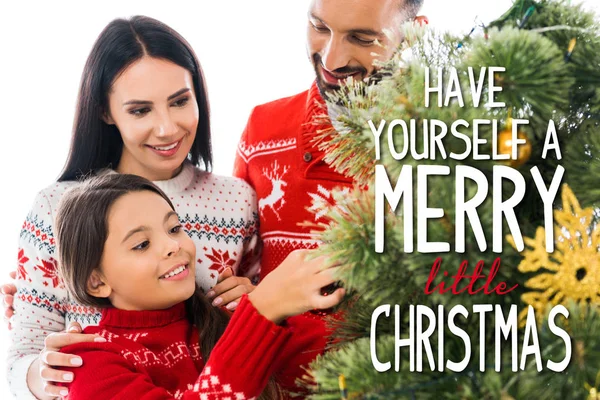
375,15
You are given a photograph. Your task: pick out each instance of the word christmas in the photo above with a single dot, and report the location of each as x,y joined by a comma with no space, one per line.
420,333
432,137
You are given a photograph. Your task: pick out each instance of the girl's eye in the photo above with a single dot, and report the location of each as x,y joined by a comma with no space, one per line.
138,112
176,229
142,246
181,102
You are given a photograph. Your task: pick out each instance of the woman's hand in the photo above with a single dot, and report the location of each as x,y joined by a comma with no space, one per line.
8,293
43,374
229,290
294,287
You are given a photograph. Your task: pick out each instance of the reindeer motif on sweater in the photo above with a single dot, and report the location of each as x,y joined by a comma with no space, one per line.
277,190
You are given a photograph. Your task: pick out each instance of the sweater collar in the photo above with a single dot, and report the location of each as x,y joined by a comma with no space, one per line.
177,184
180,182
115,318
316,120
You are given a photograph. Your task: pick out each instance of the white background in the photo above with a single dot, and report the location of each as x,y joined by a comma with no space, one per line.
251,52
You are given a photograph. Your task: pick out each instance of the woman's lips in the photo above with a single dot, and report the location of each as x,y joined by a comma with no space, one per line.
167,150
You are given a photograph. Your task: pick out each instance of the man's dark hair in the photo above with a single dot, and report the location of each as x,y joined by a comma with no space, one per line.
412,6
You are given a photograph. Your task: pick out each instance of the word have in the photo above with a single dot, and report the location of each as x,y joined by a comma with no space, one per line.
454,89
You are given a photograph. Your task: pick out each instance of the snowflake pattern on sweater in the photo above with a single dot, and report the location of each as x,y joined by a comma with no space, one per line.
219,214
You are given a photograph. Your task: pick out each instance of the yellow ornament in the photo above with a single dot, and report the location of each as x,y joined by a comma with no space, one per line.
505,146
572,271
593,393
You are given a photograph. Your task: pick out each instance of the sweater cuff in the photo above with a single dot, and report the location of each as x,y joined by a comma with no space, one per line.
17,377
251,345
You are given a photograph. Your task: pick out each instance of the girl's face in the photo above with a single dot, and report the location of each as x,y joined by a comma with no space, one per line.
153,105
148,259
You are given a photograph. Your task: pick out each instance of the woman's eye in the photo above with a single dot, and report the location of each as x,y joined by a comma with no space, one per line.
181,102
138,112
176,229
142,246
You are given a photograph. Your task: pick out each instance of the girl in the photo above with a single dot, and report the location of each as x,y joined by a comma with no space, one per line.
142,109
122,248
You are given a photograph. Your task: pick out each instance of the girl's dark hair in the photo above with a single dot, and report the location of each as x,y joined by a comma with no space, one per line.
81,229
96,145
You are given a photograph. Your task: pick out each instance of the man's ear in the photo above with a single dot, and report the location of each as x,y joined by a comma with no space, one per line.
422,20
97,286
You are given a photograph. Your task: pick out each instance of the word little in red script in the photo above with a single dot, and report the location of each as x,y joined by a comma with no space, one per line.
461,277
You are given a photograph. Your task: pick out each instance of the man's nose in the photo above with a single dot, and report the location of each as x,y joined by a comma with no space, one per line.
336,54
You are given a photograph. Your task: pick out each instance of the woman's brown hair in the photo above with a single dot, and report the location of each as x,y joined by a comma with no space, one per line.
81,229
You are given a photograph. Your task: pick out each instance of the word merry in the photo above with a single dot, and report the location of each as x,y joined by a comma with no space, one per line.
503,209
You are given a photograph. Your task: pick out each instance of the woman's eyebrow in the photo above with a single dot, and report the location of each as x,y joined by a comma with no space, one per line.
147,102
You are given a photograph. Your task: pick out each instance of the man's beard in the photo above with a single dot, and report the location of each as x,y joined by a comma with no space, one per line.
326,89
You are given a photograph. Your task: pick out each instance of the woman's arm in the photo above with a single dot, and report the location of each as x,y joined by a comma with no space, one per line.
232,286
38,308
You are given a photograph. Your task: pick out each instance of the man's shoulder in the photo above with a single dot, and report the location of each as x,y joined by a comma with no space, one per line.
282,108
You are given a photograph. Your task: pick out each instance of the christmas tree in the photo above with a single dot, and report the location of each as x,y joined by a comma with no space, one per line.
550,50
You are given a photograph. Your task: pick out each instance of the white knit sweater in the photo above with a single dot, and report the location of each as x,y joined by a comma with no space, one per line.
219,213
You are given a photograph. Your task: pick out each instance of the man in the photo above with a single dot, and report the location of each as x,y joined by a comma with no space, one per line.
276,154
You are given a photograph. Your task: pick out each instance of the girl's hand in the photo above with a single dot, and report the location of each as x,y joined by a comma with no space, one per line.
229,290
43,372
294,287
8,292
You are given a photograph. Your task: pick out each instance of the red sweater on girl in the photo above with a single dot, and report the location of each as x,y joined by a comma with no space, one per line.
155,355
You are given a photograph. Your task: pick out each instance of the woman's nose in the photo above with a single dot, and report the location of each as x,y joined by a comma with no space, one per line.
166,126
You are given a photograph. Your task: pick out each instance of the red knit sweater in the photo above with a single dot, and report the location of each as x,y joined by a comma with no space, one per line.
155,355
277,158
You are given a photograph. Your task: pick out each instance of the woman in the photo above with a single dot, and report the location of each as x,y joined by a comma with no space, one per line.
142,109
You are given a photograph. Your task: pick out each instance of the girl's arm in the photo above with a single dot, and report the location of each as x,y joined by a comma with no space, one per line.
239,366
251,349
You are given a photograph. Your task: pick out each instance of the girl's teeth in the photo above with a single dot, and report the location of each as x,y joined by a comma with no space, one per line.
175,272
167,147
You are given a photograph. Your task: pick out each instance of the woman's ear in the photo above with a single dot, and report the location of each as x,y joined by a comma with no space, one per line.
107,118
96,285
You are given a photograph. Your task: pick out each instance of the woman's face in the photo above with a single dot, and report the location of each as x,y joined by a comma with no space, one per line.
148,258
153,105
